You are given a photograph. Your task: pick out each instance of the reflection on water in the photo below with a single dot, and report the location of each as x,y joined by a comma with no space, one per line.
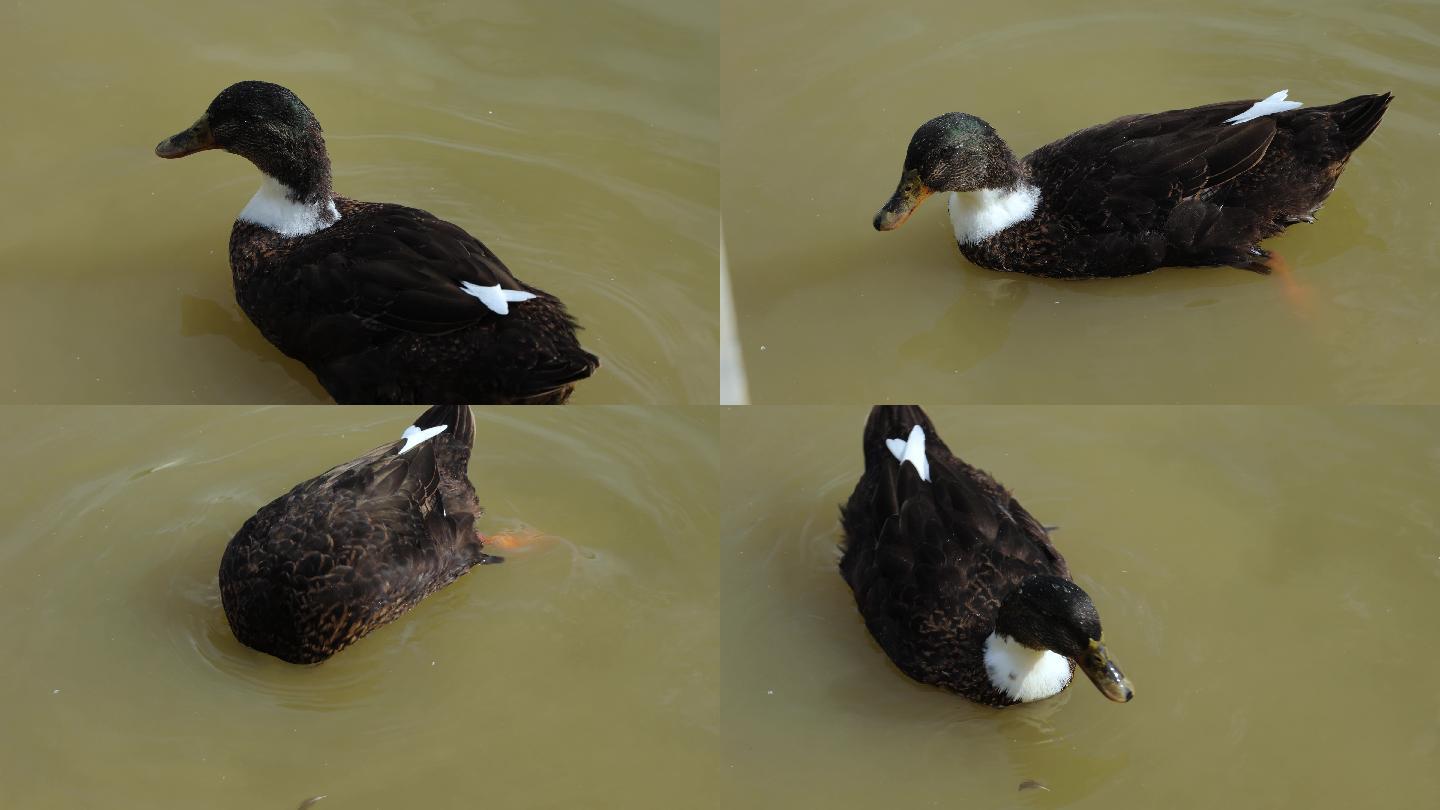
204,317
579,143
985,316
814,139
1232,553
579,673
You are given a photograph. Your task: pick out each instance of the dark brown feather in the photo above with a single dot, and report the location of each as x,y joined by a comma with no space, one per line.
356,546
373,305
1180,187
930,562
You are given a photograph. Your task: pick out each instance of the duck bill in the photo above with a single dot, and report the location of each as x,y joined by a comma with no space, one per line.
1106,674
908,195
195,139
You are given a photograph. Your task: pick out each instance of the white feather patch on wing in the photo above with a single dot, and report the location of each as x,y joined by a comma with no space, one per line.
897,448
414,436
273,208
911,450
496,299
1271,104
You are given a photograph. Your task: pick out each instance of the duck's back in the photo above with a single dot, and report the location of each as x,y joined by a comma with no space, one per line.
929,561
376,305
353,548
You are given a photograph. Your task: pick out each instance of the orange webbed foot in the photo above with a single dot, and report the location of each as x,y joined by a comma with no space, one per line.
518,540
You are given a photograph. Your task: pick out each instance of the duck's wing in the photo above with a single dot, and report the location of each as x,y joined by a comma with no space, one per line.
1129,173
395,268
384,496
403,268
961,525
395,490
988,524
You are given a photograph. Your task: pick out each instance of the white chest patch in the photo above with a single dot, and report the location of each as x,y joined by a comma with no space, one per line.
414,436
981,214
1271,104
911,450
496,299
1022,673
273,209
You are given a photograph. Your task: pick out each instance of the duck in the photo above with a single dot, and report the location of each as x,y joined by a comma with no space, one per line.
1196,187
355,547
384,303
958,584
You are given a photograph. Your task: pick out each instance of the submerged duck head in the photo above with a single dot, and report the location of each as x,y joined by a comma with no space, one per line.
1044,619
267,125
952,152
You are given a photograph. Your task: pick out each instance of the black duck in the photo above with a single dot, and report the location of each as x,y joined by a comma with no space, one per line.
1195,187
353,548
384,303
959,585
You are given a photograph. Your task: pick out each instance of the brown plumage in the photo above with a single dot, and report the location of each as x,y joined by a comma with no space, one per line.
356,546
372,297
373,306
1176,188
932,562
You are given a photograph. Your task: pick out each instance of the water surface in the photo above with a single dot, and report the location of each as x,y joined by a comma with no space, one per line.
580,673
1267,577
820,99
578,141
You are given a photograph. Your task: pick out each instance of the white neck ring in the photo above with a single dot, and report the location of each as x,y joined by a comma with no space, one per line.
978,215
1024,674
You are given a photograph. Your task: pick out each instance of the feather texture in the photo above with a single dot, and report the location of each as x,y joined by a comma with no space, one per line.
1192,187
929,563
355,547
376,305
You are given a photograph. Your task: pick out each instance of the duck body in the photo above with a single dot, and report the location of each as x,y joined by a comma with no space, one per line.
383,302
1191,187
353,548
374,306
935,548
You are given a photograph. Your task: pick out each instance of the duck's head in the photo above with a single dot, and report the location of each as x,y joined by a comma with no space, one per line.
269,126
952,152
1046,614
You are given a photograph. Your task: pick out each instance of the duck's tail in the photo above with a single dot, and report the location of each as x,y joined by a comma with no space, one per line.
454,429
890,427
1357,117
458,421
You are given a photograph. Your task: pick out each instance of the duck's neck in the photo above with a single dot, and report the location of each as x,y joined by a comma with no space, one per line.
1023,674
978,215
299,161
279,208
296,197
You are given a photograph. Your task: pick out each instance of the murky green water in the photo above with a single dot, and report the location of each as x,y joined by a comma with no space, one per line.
581,673
671,630
820,99
1268,577
578,141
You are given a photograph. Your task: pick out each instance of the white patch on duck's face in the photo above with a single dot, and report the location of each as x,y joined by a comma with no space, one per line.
1022,673
911,450
273,208
978,215
415,437
1273,103
496,299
